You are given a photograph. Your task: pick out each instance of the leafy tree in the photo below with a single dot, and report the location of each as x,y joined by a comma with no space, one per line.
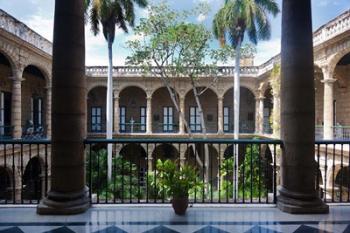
111,14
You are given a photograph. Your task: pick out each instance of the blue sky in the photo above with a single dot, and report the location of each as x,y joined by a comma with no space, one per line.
38,14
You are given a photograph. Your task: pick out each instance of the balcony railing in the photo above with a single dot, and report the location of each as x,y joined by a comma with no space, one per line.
132,127
25,170
341,132
333,173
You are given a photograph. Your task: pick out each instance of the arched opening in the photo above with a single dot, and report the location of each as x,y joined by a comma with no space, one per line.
33,102
209,102
165,151
32,182
96,104
319,95
132,110
5,97
246,111
165,115
342,184
5,184
341,106
268,108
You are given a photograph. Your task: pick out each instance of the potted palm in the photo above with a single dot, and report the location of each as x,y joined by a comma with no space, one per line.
177,183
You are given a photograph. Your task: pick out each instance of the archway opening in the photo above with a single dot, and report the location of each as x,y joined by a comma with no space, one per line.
33,102
132,110
209,102
5,184
246,111
96,104
32,182
165,117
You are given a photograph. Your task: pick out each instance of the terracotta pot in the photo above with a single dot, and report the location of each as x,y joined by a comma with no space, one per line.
180,205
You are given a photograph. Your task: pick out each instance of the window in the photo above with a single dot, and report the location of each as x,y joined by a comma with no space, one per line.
226,119
96,119
37,111
195,120
143,119
122,118
168,119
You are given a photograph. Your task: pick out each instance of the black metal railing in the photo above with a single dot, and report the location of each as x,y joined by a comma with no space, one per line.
333,173
24,171
135,177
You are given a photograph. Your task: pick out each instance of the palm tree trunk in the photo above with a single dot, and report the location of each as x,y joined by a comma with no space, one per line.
68,193
236,108
109,107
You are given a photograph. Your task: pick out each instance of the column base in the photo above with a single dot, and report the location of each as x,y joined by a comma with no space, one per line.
64,203
296,203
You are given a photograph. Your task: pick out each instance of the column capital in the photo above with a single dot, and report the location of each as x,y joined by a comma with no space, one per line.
260,98
329,80
16,79
220,98
149,98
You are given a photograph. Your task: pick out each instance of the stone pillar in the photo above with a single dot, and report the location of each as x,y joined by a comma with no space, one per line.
149,115
298,167
16,104
68,193
116,113
259,115
220,115
47,109
182,109
328,111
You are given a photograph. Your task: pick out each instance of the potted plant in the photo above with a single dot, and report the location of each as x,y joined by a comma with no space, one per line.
177,181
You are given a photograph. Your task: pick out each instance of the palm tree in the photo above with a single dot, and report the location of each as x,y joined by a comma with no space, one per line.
235,19
111,14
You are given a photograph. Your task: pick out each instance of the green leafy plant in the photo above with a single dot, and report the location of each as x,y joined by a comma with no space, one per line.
177,181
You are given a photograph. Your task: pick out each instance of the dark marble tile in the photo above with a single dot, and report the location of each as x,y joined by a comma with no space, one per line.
347,229
60,230
259,229
210,229
111,229
12,230
307,229
161,229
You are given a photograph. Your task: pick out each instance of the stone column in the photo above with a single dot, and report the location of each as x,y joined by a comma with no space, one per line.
149,115
220,115
16,104
276,117
116,113
182,109
328,111
298,167
68,193
259,115
47,109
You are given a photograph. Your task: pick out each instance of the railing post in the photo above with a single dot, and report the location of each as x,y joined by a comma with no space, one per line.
68,193
298,167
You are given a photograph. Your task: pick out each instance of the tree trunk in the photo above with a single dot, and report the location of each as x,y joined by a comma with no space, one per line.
109,107
236,108
204,132
68,194
298,166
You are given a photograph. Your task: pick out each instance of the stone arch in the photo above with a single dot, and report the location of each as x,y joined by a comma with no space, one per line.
251,89
6,183
165,116
6,60
96,109
34,98
10,55
247,110
133,85
32,181
165,151
94,85
334,59
133,104
135,154
209,102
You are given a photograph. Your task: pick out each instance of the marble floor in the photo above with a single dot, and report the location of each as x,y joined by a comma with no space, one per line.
151,219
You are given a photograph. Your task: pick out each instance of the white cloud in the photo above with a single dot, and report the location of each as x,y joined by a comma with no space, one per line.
325,3
266,50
